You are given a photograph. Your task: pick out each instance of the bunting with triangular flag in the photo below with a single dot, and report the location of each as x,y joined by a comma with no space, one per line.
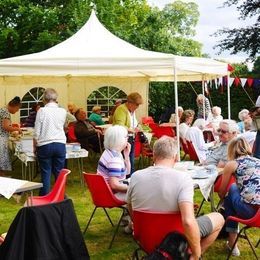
243,81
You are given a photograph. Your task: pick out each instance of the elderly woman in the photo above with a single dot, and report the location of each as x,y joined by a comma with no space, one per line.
242,115
195,135
95,116
173,116
6,128
203,105
86,134
111,164
125,116
185,122
216,117
50,139
243,199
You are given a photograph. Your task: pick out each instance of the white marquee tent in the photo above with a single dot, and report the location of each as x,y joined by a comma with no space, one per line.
94,51
94,57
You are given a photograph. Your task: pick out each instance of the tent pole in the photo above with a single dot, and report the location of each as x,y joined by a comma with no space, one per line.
228,96
176,112
203,93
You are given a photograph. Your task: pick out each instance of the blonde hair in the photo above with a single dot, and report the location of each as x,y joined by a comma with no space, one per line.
96,108
238,147
186,113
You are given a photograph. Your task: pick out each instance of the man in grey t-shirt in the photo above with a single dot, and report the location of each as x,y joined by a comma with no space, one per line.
162,188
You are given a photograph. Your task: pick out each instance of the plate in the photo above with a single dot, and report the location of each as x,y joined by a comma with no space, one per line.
200,175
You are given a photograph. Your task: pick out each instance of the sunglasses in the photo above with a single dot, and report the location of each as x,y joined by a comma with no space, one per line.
222,131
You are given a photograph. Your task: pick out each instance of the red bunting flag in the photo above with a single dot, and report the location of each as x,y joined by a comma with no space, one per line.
250,82
237,81
230,68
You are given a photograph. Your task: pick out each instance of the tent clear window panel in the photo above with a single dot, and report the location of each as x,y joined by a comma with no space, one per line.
104,97
33,96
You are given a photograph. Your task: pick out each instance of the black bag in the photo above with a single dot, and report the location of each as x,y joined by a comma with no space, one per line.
143,138
174,246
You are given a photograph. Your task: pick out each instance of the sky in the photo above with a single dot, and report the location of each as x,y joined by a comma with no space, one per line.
212,18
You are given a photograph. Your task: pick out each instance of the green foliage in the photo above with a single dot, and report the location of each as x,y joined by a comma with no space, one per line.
34,25
100,231
246,39
256,68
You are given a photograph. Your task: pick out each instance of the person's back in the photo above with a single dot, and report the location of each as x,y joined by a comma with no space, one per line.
163,188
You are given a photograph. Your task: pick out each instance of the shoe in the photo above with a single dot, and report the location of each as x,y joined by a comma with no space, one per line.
128,230
235,251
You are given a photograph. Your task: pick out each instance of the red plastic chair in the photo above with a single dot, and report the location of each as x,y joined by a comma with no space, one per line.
151,227
249,223
164,130
103,197
55,195
192,152
217,186
208,136
184,147
71,133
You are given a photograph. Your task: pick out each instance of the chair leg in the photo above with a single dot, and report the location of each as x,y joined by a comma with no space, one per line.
117,227
245,236
257,244
111,222
201,204
89,220
250,243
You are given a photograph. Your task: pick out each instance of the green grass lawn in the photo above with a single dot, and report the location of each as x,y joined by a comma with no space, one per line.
100,231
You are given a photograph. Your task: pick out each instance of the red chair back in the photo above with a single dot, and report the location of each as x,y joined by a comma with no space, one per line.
71,133
208,136
184,145
147,120
56,194
150,227
252,222
192,151
218,182
101,193
138,146
164,130
153,126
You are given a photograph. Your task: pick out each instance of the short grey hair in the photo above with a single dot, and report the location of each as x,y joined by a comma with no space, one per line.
242,114
114,137
165,148
216,110
231,124
200,123
50,94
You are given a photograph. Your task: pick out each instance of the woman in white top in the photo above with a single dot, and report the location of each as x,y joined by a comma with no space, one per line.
50,139
195,135
185,122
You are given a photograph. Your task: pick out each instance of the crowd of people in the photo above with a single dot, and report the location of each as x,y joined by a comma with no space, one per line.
159,187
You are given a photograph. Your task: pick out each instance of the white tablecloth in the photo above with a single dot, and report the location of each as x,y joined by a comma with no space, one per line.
8,186
204,185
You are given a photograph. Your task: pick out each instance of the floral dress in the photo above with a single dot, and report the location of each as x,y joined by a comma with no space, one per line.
5,160
248,179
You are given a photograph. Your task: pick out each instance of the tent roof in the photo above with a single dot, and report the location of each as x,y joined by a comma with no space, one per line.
94,51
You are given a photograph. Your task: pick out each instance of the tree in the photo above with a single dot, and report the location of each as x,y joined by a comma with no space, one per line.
256,68
246,39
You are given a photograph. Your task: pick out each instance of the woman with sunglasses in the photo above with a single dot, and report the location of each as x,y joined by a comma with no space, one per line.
243,199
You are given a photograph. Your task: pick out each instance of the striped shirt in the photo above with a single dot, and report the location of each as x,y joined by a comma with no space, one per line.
111,164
